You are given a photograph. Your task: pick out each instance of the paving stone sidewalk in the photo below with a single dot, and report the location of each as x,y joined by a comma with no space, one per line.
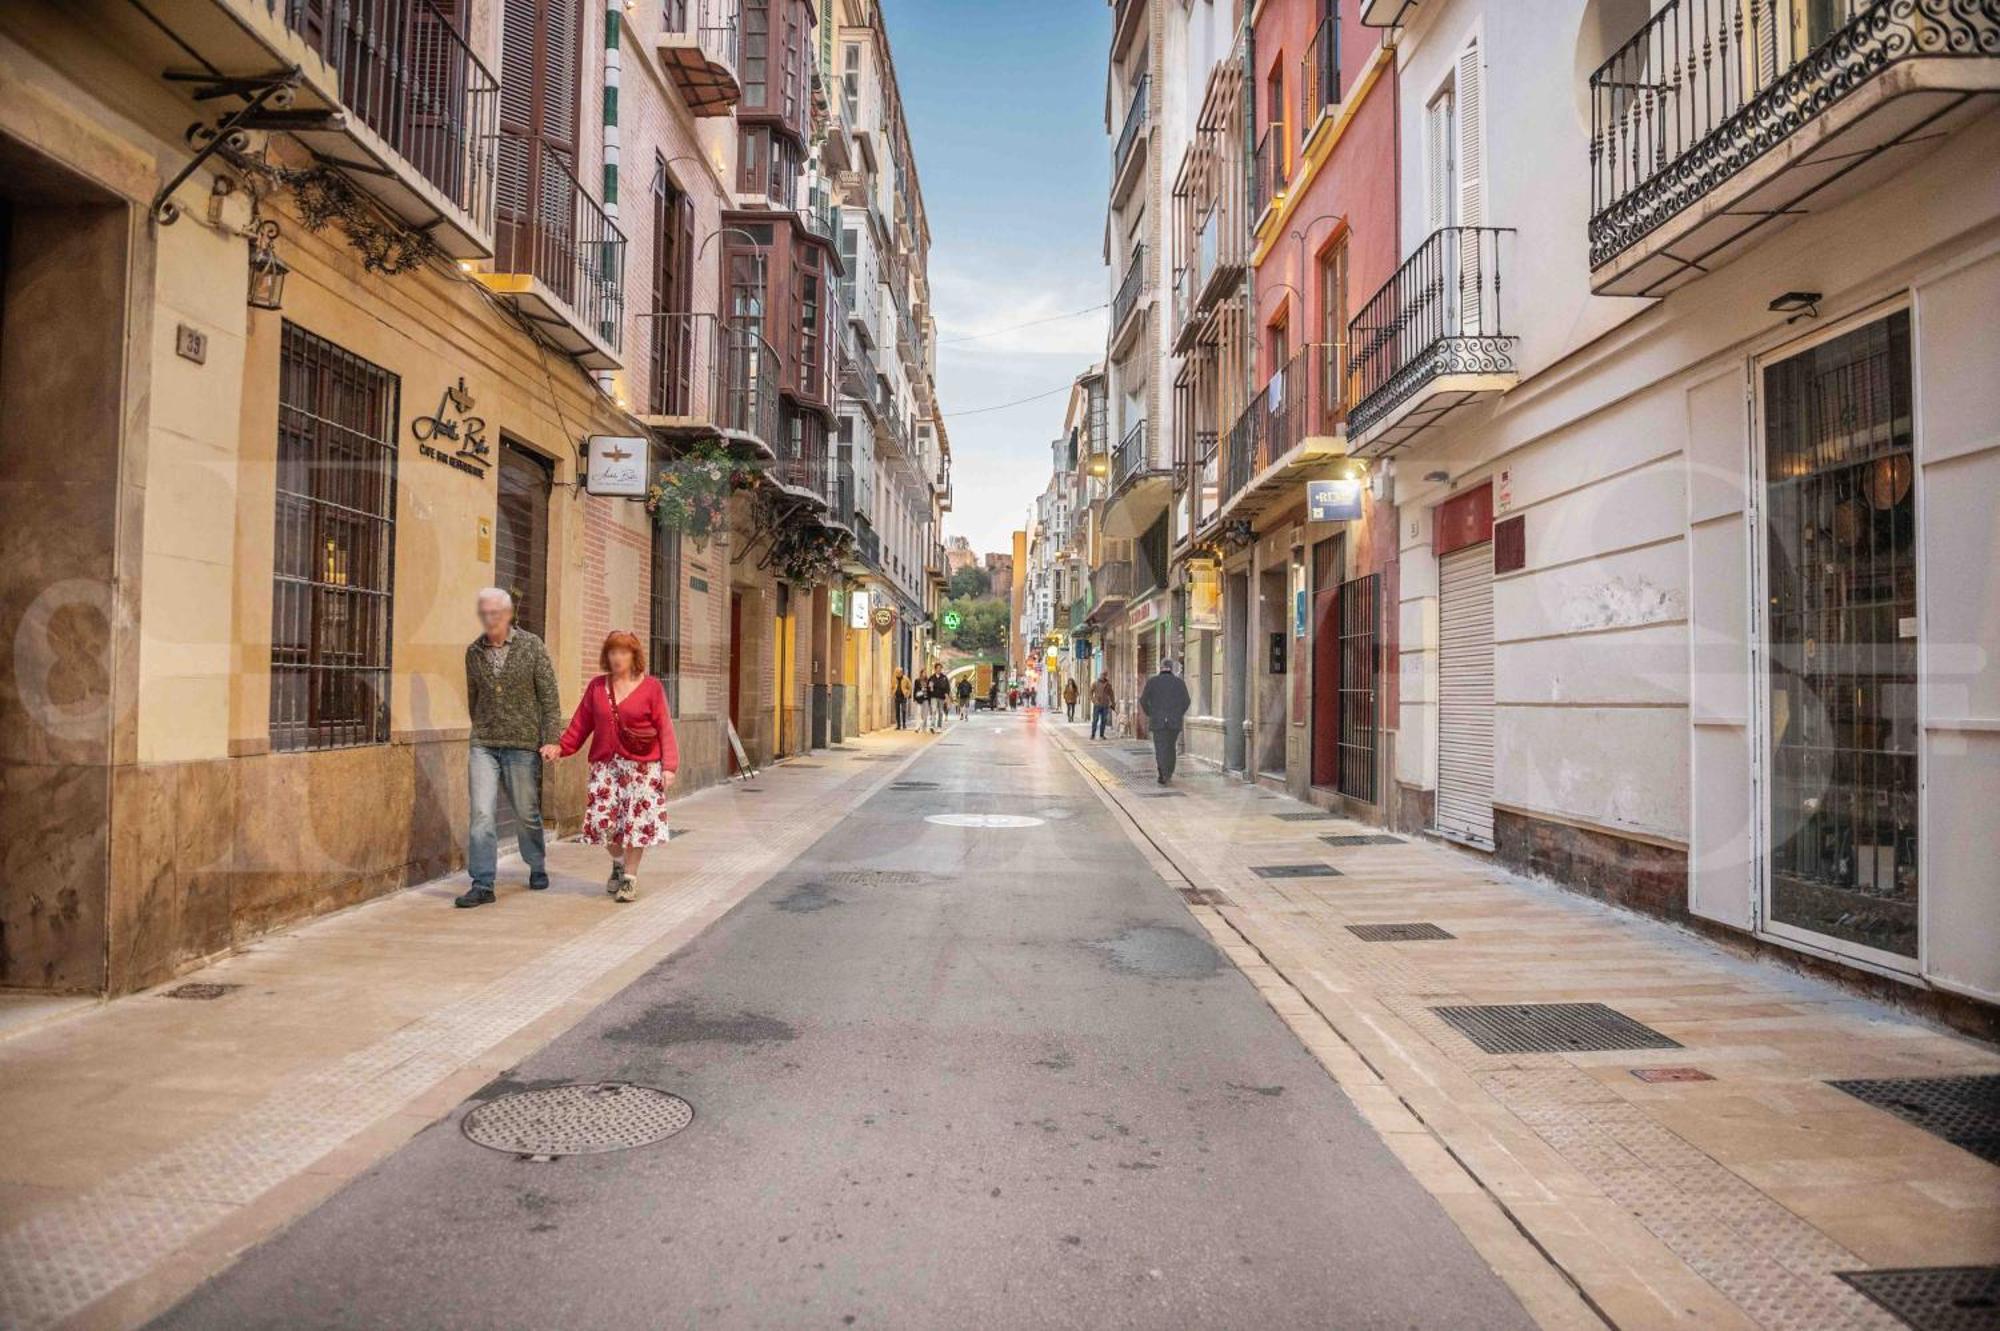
144,1141
1740,1189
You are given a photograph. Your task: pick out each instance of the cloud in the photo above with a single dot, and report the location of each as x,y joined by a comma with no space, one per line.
993,308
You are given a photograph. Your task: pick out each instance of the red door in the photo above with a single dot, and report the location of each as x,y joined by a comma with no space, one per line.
735,670
1326,688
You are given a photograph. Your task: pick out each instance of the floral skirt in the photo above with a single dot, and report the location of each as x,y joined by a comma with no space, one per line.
627,805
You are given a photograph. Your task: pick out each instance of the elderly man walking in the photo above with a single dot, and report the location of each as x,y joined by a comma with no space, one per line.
1165,702
510,693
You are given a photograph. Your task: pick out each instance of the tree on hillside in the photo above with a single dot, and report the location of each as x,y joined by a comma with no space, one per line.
969,584
982,624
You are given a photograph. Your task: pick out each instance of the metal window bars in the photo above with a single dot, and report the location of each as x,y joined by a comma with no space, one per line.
710,23
1439,313
1302,400
1129,290
549,227
1136,113
409,75
1320,86
716,372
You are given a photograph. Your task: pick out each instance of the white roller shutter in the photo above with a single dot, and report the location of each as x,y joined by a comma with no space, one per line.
1465,695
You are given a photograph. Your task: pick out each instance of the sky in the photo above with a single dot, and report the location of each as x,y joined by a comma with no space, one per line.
1005,101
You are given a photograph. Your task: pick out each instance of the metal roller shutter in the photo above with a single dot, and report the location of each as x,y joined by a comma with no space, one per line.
1465,695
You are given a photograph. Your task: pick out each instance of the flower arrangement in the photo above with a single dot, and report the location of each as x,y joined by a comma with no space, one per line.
805,552
690,492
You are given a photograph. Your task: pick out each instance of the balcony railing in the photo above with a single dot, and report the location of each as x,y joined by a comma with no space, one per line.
748,386
804,465
1438,315
869,542
1135,123
844,494
1305,399
1110,583
1134,457
712,375
698,40
1320,86
1267,169
1706,87
549,228
1129,290
407,74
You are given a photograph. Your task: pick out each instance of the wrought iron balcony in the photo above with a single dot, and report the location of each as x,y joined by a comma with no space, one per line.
427,109
1430,341
1110,587
1134,458
708,377
1127,300
557,256
805,467
1320,84
1293,424
1128,19
1267,170
698,46
1137,115
1720,117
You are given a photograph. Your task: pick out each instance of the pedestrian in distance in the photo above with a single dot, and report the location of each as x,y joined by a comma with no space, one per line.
1069,699
633,759
964,696
1102,700
1165,702
993,696
920,694
899,698
510,695
941,695
1013,696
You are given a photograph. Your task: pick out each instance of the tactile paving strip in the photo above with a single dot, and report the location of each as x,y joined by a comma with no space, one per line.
1398,933
584,1118
1935,1298
1551,1028
1965,1111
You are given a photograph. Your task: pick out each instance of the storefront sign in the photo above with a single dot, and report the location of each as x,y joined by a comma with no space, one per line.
453,424
1204,588
883,618
952,619
857,610
1146,612
619,466
1334,501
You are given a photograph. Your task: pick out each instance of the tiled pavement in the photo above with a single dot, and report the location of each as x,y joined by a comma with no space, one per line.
144,1141
1729,1202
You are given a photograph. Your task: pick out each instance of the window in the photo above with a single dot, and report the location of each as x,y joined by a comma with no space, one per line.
807,289
1333,316
850,82
1274,92
756,54
541,44
672,379
334,553
664,652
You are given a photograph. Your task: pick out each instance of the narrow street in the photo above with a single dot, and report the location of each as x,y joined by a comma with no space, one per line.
932,1069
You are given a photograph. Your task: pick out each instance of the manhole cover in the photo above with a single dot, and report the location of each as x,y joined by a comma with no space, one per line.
1398,933
1363,839
983,820
1551,1028
1965,1111
1315,816
200,989
1295,871
1935,1298
913,785
583,1118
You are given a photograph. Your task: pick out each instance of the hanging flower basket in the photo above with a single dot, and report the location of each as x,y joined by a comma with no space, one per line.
805,552
690,492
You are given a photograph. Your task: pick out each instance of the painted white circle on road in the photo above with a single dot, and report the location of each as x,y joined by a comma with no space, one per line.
986,820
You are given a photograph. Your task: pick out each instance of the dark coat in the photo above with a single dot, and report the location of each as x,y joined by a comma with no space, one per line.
1165,701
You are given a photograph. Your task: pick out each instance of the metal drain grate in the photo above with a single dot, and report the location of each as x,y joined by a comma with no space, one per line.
1965,1111
1363,839
1398,933
1551,1028
913,785
200,989
1295,871
1316,816
879,878
1935,1298
583,1118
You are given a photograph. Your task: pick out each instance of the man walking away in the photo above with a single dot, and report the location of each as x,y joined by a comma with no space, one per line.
964,696
941,694
1165,702
1102,699
510,694
1069,699
899,698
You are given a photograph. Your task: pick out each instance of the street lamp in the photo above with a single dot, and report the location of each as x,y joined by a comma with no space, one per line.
267,270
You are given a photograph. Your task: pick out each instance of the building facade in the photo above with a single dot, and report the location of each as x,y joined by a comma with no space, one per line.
1563,465
424,310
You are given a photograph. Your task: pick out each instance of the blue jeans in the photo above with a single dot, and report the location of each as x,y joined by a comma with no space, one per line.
1100,722
520,771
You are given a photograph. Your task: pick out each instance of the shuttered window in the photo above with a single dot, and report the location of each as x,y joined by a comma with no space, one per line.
334,551
1469,101
1465,694
664,652
672,385
541,43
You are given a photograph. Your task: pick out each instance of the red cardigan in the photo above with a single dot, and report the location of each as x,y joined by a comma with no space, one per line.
647,702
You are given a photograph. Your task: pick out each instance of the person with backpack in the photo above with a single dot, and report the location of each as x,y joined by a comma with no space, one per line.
964,696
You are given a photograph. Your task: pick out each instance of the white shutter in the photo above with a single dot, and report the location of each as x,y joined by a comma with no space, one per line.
1465,695
1468,104
1437,161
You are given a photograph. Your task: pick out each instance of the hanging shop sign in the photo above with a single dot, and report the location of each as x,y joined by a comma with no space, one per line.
883,618
1334,501
619,466
857,610
952,620
453,435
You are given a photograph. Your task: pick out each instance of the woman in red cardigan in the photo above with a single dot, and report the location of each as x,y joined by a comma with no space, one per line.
633,758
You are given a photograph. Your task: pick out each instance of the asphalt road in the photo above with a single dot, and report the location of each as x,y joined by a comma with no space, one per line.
942,1077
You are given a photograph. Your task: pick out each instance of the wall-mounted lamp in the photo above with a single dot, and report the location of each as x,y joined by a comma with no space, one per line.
1439,477
267,270
1797,305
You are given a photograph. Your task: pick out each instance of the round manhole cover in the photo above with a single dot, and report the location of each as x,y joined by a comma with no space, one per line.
983,820
584,1118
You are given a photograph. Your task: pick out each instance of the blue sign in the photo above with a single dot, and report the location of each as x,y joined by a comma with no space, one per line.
1333,501
1299,613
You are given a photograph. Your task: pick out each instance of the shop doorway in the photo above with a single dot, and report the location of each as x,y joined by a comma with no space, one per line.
1274,622
1840,692
1329,562
521,556
1465,695
735,674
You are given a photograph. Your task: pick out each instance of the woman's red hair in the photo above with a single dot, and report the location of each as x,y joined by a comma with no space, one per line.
631,643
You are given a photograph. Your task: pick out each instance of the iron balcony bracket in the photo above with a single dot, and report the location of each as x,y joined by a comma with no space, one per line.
272,90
